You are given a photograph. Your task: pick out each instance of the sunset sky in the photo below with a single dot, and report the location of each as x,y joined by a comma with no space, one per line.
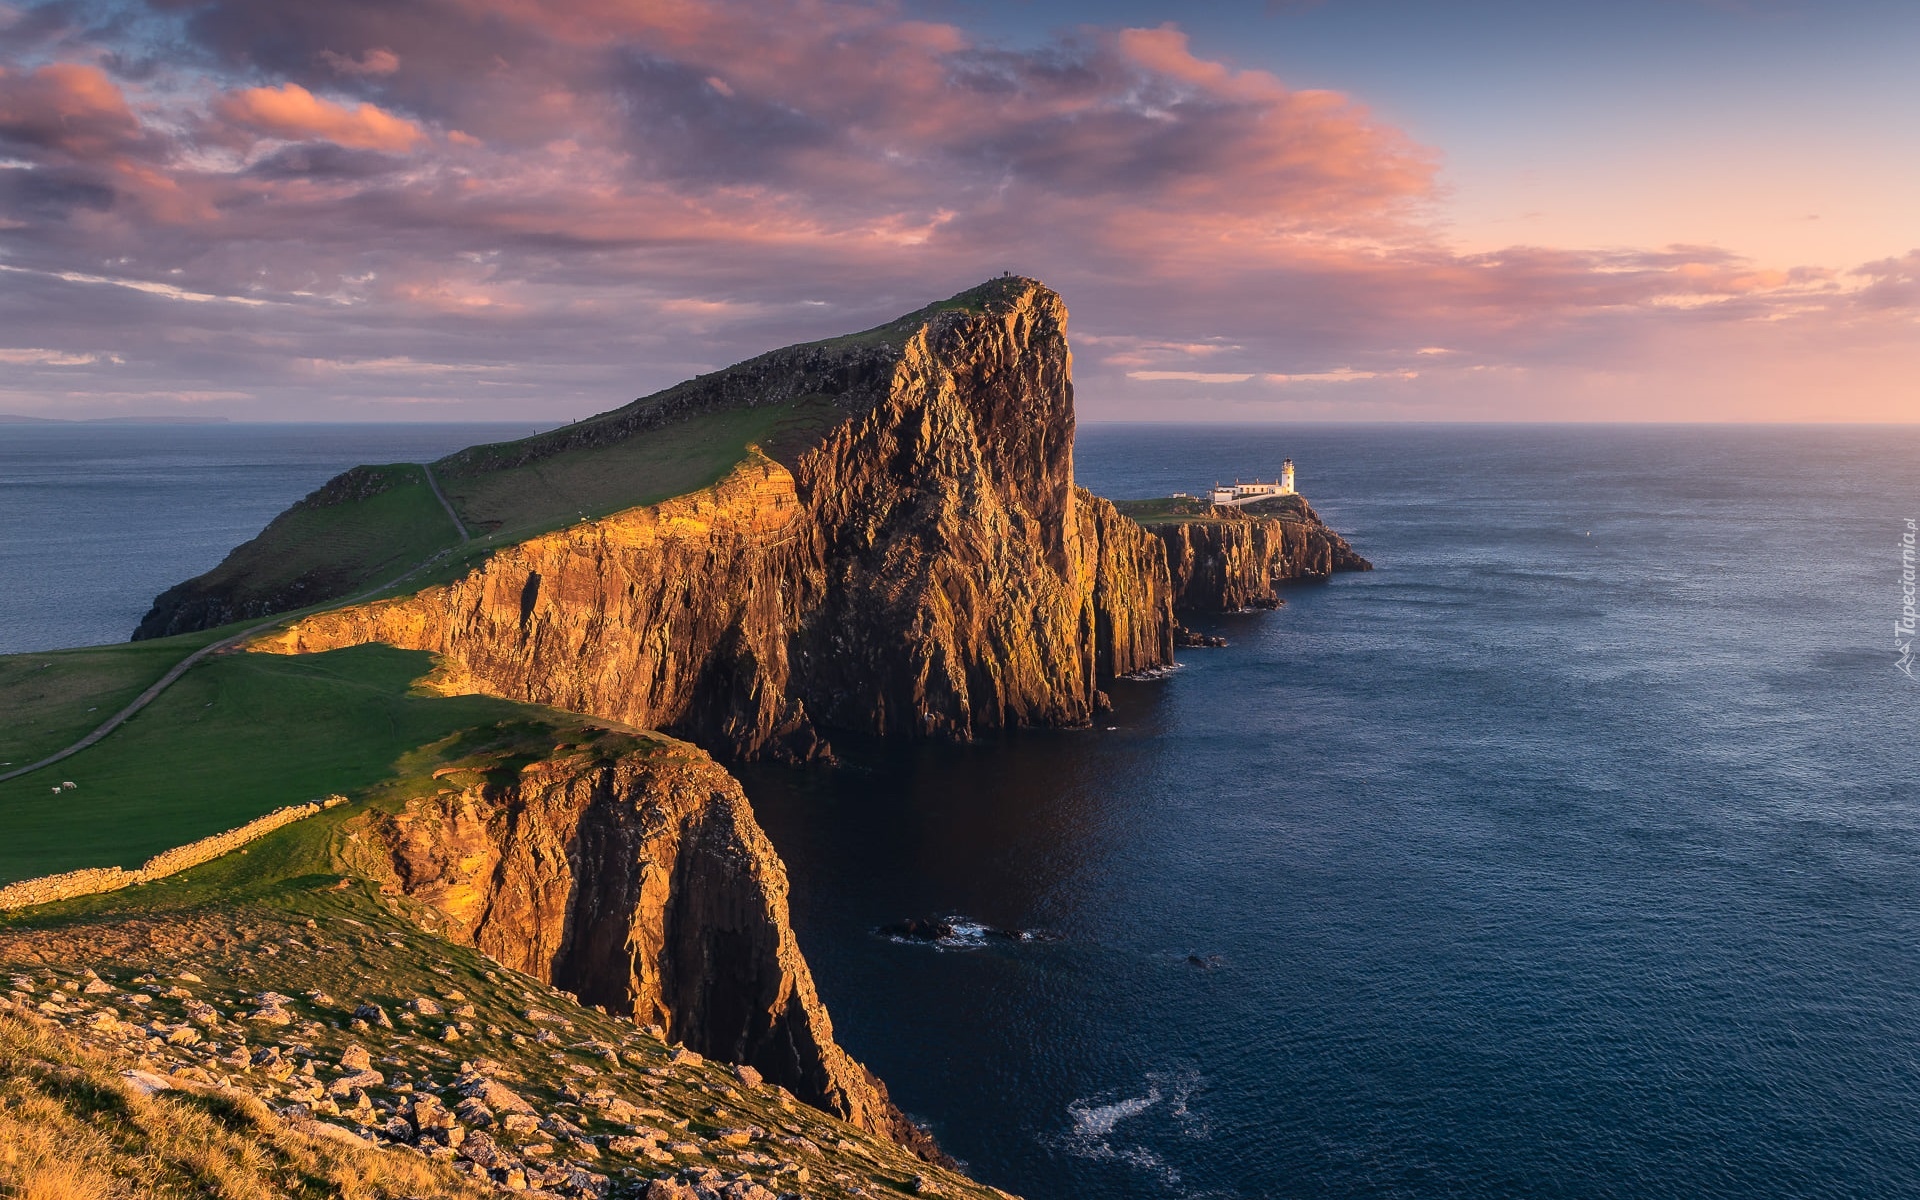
1280,210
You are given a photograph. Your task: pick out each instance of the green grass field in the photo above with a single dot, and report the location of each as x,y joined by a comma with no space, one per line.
239,735
50,700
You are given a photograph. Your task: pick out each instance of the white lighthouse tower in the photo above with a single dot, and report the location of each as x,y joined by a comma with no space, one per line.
1286,477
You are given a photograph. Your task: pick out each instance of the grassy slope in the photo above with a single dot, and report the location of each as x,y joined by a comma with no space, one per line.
520,502
315,552
279,919
238,736
557,489
71,1128
49,700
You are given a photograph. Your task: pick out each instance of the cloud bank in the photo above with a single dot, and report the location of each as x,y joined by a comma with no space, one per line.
514,208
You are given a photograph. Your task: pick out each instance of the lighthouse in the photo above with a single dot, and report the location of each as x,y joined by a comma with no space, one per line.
1286,477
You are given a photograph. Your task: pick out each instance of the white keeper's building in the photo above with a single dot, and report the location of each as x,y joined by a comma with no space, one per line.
1246,493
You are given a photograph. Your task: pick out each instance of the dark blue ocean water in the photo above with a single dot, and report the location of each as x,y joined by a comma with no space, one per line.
1572,852
96,520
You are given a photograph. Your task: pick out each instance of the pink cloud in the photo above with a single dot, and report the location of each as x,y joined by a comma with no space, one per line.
69,108
292,112
632,192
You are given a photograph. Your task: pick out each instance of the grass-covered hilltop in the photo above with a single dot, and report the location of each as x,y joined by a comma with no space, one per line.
401,861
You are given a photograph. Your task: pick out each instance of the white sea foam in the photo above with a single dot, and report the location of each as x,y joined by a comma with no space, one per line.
1155,672
1097,1122
1096,1132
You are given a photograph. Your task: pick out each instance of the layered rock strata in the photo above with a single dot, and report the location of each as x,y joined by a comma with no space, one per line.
637,880
1232,559
927,568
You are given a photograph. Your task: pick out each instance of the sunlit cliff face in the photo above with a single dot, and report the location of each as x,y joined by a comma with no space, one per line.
491,208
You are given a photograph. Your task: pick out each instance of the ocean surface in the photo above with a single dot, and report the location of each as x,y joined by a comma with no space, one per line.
97,520
1572,852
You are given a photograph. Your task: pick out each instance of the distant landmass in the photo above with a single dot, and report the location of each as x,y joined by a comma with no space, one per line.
18,419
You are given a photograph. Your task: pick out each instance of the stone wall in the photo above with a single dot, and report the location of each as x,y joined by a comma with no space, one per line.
92,881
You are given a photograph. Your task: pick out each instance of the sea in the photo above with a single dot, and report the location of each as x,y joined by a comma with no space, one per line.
1574,851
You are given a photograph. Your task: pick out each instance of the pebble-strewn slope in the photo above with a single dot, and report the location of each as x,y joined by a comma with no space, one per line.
336,1032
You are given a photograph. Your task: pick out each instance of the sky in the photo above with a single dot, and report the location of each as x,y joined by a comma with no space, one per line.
1277,210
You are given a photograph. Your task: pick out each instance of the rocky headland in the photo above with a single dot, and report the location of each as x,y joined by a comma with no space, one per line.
926,566
906,554
1229,559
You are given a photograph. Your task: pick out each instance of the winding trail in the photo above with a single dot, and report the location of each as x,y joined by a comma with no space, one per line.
139,702
442,498
180,668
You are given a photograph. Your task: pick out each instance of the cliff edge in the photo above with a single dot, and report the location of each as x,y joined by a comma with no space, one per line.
635,877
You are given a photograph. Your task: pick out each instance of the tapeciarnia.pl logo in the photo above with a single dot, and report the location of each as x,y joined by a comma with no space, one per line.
1903,628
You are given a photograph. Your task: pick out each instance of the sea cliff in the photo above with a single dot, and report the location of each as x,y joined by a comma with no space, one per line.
637,879
1227,559
925,566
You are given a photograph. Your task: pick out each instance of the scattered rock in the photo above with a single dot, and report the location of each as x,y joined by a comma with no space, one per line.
480,1149
146,1082
427,1112
914,929
496,1096
1190,639
358,1079
373,1014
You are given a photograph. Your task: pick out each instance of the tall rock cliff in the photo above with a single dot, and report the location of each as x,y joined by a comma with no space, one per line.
635,876
1226,559
924,566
